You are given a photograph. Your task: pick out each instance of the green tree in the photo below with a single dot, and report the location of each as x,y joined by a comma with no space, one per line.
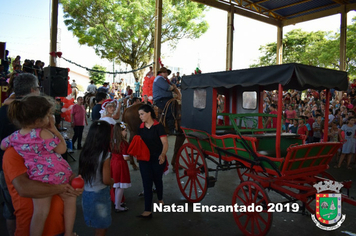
313,48
124,30
298,47
98,77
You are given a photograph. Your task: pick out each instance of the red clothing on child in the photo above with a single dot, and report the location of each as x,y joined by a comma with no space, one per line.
119,168
302,130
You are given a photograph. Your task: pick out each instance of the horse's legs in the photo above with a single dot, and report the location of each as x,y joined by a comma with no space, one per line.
178,143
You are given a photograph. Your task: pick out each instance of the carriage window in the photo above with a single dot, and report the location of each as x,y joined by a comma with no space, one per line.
249,100
199,100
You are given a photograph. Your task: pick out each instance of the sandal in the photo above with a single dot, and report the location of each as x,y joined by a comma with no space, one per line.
349,168
336,167
123,210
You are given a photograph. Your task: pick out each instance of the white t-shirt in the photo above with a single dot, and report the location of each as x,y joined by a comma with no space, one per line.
91,88
97,183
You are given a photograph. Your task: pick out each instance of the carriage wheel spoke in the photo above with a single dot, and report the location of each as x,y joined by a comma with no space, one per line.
187,155
185,161
186,184
242,200
247,220
200,186
195,189
261,219
190,189
260,201
181,177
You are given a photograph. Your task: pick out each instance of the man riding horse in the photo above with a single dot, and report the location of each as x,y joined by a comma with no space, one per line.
91,92
73,85
162,93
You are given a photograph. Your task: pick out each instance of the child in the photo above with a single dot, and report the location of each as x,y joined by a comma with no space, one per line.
349,146
317,129
94,166
294,127
119,168
302,128
40,144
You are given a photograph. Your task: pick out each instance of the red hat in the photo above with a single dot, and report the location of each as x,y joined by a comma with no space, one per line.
107,102
139,149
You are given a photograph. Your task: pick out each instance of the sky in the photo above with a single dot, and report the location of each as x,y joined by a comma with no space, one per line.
26,30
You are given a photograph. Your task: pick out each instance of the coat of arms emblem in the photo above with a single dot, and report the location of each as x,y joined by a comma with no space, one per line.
328,210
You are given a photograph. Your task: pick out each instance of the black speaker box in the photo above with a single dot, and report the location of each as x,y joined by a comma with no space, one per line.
55,81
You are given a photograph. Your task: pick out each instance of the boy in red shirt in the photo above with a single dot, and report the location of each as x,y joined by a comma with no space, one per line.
302,128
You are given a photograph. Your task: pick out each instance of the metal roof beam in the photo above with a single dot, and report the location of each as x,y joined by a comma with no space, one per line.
312,9
290,5
256,2
259,9
238,10
317,15
341,1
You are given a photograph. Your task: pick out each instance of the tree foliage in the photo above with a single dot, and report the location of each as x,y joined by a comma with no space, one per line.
124,30
313,48
97,77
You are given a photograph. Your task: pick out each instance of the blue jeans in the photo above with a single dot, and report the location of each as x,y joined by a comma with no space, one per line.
97,208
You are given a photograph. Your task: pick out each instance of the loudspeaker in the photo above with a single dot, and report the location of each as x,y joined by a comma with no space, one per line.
2,50
55,81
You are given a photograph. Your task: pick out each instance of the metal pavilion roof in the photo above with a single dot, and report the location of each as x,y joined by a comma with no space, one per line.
283,12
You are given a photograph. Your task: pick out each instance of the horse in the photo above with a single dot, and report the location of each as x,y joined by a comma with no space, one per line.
132,119
89,102
74,93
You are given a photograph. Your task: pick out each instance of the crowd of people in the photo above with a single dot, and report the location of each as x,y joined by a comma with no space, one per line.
10,68
29,132
102,162
304,112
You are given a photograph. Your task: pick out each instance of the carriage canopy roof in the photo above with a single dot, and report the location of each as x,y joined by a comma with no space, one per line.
290,76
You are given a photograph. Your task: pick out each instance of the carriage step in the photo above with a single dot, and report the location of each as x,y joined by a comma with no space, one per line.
211,181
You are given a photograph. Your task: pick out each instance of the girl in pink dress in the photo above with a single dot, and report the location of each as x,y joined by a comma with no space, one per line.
119,168
40,144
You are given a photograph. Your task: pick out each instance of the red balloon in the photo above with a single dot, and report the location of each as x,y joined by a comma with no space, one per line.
77,182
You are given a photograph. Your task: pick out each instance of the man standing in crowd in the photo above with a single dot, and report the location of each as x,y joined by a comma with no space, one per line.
162,93
6,62
137,88
95,113
104,88
178,79
15,182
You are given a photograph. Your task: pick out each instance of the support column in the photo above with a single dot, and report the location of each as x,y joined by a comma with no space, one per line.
279,121
230,38
158,30
279,45
343,29
54,24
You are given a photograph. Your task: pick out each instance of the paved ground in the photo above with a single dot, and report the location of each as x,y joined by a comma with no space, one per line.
203,224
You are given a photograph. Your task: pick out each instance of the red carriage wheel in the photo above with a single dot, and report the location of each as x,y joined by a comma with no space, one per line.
191,172
257,222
